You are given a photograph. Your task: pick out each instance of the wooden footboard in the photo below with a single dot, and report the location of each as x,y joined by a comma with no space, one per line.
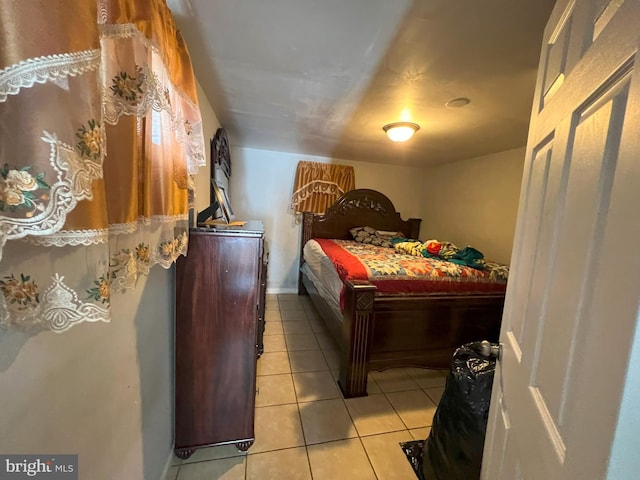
378,331
381,331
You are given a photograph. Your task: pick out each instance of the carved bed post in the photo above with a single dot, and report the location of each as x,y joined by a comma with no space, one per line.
307,230
357,330
415,227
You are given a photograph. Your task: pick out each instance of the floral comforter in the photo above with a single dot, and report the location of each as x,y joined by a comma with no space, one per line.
394,272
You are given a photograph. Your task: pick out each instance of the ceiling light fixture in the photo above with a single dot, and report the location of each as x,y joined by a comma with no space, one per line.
401,131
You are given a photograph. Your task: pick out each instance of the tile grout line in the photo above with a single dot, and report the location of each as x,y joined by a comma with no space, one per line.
360,437
395,410
375,474
344,402
295,392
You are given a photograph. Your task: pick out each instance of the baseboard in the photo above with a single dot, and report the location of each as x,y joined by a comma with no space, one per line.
168,464
276,291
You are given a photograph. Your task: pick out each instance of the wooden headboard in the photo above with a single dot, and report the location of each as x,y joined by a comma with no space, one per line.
358,208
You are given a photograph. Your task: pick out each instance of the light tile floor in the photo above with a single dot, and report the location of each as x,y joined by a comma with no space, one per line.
304,428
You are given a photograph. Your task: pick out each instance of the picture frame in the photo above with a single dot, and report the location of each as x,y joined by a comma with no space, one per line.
212,210
220,155
223,200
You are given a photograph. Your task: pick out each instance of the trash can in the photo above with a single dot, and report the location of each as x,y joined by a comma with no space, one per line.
453,450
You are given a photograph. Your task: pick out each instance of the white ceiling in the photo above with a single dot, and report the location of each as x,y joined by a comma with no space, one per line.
321,77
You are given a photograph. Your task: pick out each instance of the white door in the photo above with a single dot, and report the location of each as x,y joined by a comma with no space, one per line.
573,296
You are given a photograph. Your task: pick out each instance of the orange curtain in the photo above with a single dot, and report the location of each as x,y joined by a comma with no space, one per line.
318,185
100,131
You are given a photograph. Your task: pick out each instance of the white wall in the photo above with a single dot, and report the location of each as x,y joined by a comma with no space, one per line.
475,202
469,202
624,461
261,186
210,124
102,391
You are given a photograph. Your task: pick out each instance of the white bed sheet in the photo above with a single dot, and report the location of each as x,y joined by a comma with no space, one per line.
322,273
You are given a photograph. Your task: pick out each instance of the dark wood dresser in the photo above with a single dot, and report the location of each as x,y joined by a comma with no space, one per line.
220,299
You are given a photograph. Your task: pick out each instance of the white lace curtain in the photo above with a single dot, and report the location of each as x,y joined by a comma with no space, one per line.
99,133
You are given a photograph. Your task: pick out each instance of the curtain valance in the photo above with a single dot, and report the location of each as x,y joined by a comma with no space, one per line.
100,131
318,185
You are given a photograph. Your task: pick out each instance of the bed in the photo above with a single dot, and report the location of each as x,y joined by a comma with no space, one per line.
376,328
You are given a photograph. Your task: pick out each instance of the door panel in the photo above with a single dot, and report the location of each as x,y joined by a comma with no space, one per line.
556,55
534,208
572,299
587,191
604,11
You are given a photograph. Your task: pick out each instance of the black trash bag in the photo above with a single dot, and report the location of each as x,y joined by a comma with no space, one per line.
453,450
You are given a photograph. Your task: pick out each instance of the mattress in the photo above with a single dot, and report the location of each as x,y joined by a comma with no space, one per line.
397,272
322,273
